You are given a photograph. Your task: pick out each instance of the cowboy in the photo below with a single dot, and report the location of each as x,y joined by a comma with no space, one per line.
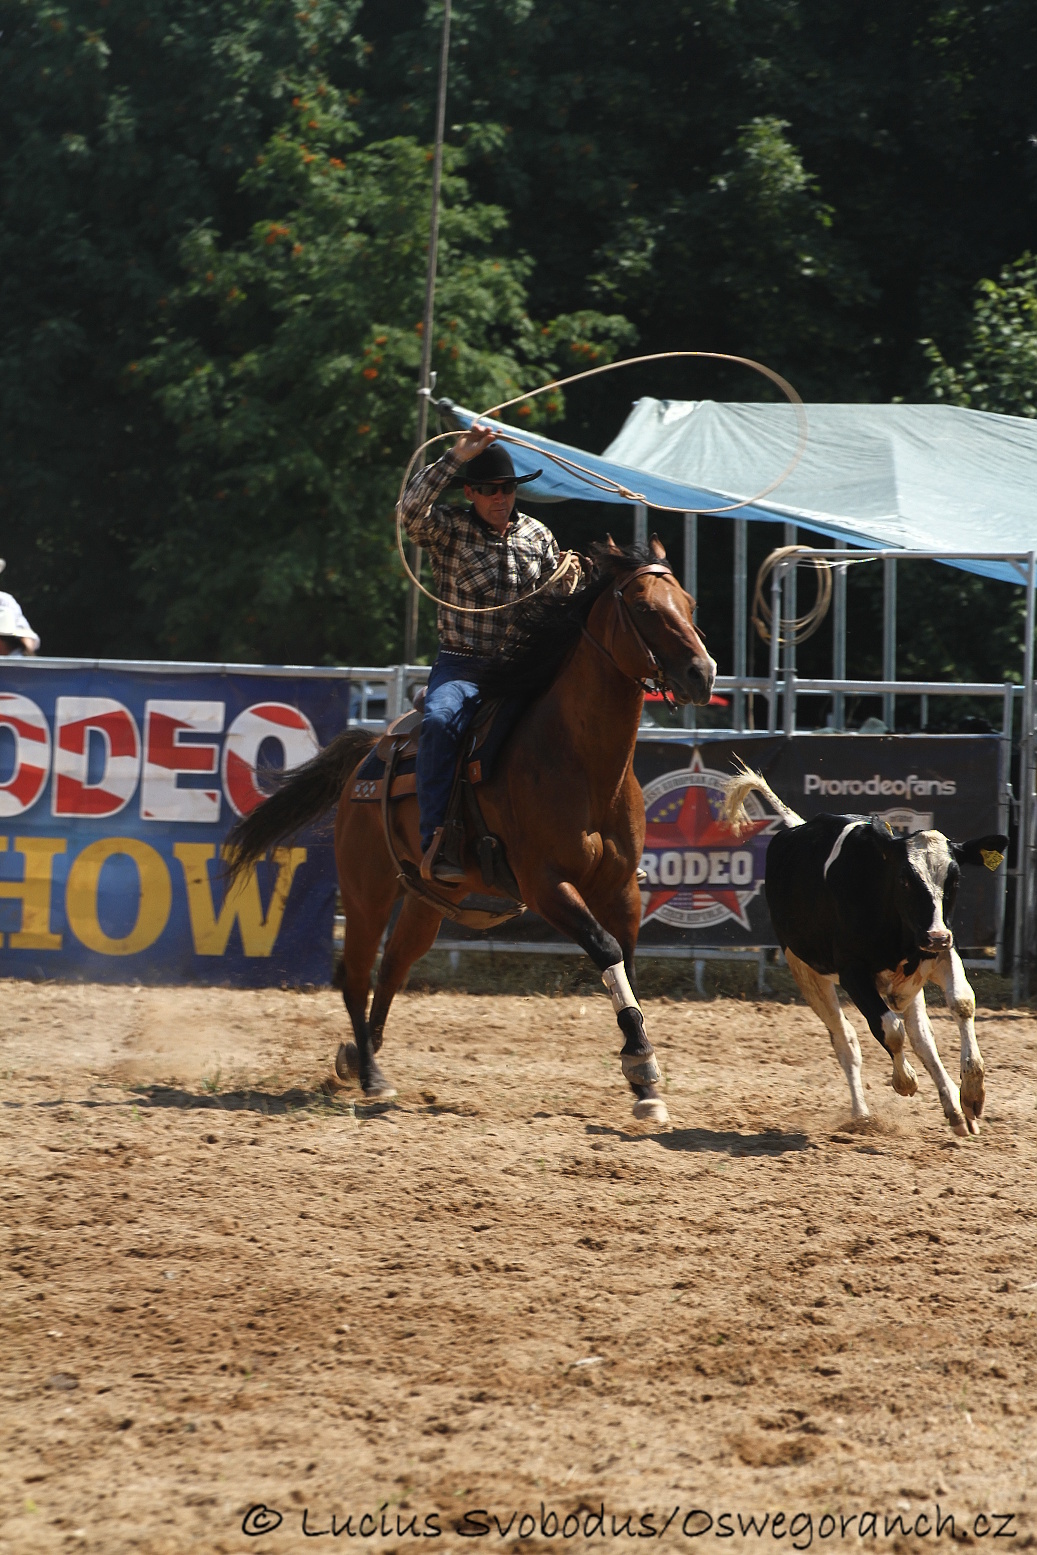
483,554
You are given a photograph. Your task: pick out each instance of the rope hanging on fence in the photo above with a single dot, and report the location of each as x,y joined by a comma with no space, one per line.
592,478
803,626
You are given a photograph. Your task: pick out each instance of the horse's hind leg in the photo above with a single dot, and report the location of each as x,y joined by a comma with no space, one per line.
822,998
369,889
415,931
363,936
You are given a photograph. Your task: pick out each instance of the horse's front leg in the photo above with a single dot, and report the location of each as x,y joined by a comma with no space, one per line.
560,904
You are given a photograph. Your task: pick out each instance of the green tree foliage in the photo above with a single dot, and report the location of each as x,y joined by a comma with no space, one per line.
290,373
821,184
999,369
812,184
124,124
196,255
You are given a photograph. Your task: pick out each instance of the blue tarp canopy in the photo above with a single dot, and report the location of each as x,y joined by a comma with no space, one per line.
916,477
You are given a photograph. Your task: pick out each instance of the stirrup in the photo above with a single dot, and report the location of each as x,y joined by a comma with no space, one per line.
447,871
429,856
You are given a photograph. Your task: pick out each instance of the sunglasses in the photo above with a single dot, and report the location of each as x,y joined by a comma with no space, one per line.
490,489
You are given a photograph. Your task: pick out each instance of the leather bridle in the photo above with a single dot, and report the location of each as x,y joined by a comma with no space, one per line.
622,613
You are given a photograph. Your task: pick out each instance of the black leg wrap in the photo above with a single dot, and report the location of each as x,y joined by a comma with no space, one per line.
632,1024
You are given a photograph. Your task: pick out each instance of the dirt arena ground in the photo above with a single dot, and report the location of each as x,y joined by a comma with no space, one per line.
231,1300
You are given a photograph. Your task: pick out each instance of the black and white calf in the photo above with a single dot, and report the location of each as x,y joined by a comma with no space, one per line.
853,904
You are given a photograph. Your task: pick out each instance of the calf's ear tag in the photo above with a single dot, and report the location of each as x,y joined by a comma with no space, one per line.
991,858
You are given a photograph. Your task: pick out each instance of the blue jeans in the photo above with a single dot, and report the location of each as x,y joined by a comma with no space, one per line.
451,702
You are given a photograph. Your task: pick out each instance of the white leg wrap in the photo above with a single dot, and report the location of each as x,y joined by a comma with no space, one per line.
618,984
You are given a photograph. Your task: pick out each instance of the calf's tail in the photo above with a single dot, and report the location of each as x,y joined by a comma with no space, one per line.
299,797
746,782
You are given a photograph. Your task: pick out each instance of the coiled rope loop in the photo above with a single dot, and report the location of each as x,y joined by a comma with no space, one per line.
803,626
598,482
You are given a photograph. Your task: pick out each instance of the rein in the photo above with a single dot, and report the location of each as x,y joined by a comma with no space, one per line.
625,614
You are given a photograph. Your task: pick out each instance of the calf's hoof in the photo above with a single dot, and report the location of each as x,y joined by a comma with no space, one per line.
973,1094
905,1081
649,1109
347,1061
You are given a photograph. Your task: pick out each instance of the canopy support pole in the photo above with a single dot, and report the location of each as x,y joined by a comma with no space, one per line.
889,638
1024,857
777,580
426,382
839,640
740,582
791,609
691,585
640,524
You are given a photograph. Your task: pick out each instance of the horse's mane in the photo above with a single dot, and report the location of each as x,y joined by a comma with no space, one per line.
544,631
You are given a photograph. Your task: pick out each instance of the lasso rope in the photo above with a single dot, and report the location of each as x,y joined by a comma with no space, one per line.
801,627
591,477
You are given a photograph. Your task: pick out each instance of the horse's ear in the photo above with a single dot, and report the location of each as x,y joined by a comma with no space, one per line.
657,548
611,544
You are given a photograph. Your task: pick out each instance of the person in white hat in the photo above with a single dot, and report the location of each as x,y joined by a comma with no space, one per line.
16,635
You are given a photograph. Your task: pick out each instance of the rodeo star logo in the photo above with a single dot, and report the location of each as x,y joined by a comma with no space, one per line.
699,872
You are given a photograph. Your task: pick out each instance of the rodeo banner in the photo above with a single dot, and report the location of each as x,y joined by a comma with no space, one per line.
705,887
117,789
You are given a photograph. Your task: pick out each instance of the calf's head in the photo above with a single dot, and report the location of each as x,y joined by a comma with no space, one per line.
924,875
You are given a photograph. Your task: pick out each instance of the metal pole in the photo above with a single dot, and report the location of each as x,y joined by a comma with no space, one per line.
889,638
640,524
740,581
777,579
789,697
1004,816
691,584
1024,862
839,640
410,636
791,592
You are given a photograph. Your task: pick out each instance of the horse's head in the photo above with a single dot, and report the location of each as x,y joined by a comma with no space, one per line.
648,629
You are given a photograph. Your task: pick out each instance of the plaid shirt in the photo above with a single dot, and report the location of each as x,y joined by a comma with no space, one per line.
471,563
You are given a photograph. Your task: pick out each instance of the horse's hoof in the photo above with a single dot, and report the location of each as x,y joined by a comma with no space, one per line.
649,1109
376,1087
380,1090
905,1083
959,1126
347,1061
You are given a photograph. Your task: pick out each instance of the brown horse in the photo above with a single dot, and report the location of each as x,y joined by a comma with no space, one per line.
563,799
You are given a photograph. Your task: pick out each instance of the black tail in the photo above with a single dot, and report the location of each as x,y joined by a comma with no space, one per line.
299,797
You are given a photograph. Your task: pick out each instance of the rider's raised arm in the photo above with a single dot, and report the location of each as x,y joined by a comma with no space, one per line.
422,519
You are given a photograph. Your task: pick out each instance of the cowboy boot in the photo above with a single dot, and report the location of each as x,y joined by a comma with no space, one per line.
442,860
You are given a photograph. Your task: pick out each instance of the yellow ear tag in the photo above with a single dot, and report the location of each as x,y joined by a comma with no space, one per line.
991,858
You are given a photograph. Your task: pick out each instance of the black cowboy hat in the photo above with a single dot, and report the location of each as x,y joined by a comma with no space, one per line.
493,464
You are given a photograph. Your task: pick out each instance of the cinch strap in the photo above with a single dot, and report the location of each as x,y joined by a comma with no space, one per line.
852,826
618,984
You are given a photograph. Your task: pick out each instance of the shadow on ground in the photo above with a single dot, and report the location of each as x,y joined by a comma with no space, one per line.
708,1141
